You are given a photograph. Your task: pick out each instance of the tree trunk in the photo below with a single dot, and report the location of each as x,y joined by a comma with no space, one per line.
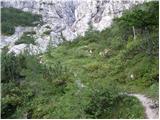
134,33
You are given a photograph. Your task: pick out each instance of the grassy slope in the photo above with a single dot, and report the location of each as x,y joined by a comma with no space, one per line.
41,98
94,67
94,71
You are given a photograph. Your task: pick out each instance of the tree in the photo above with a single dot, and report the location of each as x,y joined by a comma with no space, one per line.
143,18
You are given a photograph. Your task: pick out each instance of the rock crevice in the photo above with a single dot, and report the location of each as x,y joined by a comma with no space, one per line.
72,18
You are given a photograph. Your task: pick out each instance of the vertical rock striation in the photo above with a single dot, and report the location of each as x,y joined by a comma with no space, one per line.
71,18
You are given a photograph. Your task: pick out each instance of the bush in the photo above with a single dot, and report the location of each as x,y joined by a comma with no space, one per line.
58,72
26,39
12,66
133,47
10,99
47,32
141,20
109,103
13,97
102,102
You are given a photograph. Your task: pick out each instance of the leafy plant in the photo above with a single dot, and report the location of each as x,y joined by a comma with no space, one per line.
57,73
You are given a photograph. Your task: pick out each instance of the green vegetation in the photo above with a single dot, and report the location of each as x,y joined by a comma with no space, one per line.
27,38
11,17
108,103
48,27
85,78
47,32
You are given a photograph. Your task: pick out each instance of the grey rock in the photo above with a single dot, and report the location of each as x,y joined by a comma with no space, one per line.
71,18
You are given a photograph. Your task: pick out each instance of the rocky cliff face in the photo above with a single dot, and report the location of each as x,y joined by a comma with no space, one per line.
70,18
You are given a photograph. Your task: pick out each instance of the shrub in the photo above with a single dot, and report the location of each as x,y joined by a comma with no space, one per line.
102,102
58,74
47,32
133,47
10,99
109,103
26,39
12,66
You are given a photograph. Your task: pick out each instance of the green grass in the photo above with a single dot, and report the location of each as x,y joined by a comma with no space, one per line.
116,67
11,17
92,69
76,81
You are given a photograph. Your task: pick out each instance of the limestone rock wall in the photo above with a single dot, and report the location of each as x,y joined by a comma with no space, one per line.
70,18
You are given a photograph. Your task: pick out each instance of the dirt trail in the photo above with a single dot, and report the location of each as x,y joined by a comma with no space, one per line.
151,108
